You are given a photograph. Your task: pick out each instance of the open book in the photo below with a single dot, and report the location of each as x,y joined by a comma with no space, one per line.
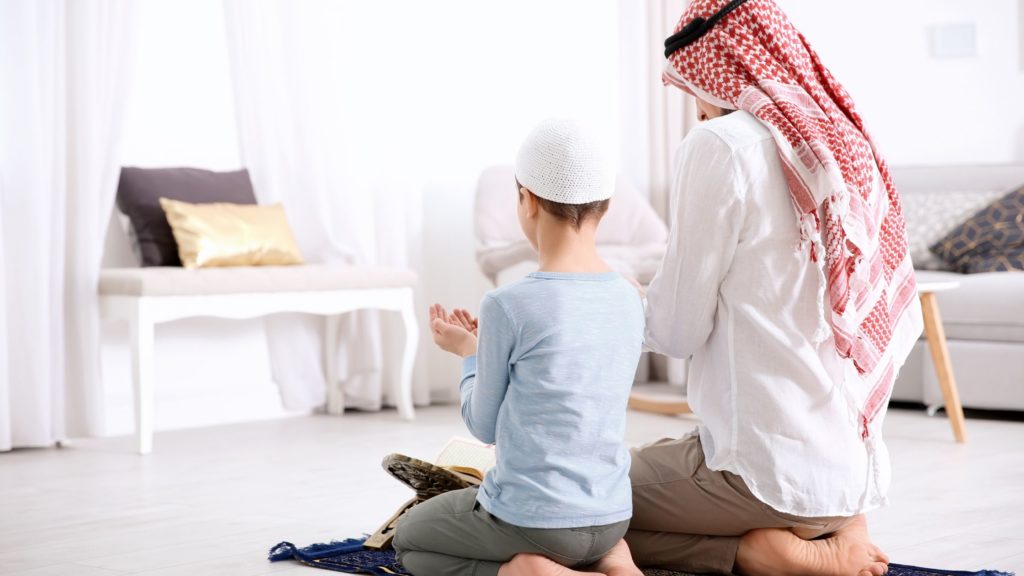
467,456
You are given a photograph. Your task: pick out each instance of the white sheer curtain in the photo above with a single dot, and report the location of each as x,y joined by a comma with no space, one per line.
62,70
671,113
658,118
301,148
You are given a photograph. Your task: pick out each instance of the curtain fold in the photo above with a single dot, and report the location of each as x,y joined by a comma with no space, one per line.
671,112
99,41
296,140
669,115
58,168
6,429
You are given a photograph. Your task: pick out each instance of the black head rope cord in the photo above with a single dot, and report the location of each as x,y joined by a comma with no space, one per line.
697,28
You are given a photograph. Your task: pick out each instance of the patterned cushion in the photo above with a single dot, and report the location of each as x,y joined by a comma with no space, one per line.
1007,261
991,239
931,216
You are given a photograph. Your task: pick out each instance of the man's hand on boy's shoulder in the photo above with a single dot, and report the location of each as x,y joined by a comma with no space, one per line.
455,332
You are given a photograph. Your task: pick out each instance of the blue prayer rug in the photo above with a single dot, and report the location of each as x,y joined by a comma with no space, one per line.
351,557
348,556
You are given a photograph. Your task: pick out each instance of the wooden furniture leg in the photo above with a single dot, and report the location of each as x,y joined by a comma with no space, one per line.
936,336
668,407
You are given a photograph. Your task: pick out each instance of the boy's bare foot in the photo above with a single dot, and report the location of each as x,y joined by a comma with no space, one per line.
777,551
618,562
536,565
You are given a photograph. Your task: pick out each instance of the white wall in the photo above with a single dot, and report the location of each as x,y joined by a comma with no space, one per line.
923,110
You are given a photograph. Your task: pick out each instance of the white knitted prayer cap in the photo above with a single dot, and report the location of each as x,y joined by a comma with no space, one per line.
562,161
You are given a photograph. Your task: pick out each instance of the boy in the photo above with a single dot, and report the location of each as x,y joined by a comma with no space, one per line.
547,383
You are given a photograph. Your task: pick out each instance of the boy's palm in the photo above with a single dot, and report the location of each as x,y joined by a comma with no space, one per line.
455,333
466,320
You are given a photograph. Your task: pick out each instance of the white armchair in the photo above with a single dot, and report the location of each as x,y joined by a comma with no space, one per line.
631,237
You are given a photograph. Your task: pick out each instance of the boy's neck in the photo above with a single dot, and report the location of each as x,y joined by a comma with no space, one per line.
561,248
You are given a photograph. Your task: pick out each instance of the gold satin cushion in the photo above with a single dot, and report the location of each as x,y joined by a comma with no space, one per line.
220,234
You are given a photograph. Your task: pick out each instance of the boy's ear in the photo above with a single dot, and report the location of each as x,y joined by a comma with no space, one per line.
532,206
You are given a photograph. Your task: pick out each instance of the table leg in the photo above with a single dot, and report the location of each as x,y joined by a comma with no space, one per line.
335,395
936,336
143,376
403,392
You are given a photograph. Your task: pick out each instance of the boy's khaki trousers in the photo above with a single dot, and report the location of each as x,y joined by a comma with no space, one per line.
453,535
689,518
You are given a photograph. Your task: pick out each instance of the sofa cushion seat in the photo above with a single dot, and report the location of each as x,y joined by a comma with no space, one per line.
176,281
986,307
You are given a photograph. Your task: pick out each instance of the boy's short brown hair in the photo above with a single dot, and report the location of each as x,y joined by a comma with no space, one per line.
574,214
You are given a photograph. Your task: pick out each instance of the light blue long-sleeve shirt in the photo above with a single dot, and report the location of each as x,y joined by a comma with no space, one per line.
556,359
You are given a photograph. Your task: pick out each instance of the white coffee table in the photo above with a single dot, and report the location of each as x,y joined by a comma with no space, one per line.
936,336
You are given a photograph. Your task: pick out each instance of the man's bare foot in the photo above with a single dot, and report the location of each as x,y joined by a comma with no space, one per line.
777,551
536,565
618,562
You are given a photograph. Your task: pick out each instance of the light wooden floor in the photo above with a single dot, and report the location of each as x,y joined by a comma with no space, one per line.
212,501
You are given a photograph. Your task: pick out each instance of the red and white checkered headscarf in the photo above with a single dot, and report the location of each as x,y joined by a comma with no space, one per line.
848,209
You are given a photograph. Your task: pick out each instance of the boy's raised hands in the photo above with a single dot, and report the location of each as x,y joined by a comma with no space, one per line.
464,318
455,332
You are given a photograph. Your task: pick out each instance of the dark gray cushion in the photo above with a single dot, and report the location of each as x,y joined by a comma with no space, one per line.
989,241
1006,260
139,193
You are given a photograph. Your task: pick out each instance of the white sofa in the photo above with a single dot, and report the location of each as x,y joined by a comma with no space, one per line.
984,317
